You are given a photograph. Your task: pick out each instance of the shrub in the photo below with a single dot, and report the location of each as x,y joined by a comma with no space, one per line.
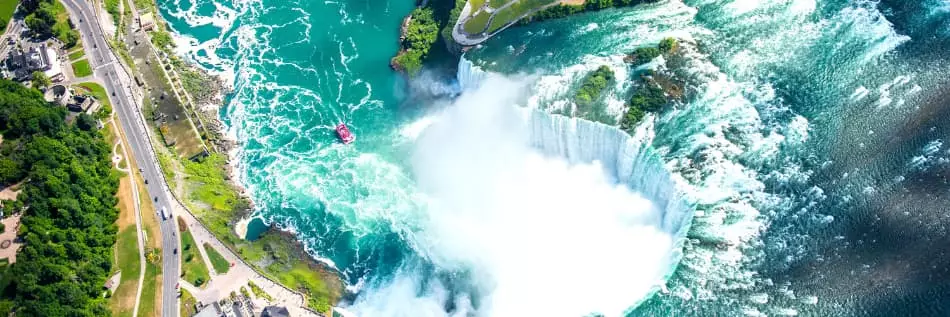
644,55
420,34
668,45
649,98
592,86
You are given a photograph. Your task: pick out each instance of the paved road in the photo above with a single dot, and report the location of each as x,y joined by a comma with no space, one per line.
118,83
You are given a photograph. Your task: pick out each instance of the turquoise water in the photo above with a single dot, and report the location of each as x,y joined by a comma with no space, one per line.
811,141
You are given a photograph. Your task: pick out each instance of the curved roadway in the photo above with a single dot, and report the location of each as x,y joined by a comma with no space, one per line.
119,85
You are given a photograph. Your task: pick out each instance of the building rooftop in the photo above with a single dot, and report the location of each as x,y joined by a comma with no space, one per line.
212,310
275,311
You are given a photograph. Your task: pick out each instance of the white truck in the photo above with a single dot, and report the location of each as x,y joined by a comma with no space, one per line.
165,214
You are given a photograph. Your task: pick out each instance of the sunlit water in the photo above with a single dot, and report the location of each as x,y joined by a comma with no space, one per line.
812,145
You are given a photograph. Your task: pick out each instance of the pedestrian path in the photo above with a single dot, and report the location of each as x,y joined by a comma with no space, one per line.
221,285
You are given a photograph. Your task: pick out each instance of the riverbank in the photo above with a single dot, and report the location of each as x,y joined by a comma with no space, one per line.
205,183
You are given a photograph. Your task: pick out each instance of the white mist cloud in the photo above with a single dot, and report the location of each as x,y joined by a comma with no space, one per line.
541,237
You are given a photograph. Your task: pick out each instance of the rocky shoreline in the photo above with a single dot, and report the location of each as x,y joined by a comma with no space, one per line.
208,106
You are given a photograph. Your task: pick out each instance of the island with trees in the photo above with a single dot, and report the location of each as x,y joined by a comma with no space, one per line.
592,87
652,92
419,33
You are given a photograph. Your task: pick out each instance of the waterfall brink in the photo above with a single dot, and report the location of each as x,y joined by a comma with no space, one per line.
629,160
469,75
632,162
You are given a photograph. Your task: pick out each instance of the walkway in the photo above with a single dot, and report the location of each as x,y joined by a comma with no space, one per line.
466,39
11,224
221,285
136,202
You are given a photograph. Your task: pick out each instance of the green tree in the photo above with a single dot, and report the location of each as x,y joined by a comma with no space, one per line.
41,21
41,80
668,45
85,122
69,227
644,55
592,87
10,171
421,33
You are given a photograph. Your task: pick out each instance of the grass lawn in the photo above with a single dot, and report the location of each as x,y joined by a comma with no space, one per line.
77,54
150,291
127,254
477,23
7,7
112,6
497,3
97,91
301,277
258,292
151,296
209,176
515,11
82,68
188,302
192,267
476,4
126,251
220,264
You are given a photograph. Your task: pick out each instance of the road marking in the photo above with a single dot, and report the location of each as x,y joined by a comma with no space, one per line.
104,65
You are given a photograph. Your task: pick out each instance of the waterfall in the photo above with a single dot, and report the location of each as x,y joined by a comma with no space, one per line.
469,75
629,160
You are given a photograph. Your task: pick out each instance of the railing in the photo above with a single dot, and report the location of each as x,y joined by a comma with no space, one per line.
167,188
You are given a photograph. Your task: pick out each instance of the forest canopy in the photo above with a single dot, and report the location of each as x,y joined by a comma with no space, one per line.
68,222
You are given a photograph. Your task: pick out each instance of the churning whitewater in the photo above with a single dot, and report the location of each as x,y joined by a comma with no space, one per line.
517,197
803,171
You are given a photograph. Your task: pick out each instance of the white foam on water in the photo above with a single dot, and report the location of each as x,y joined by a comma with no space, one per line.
518,196
553,92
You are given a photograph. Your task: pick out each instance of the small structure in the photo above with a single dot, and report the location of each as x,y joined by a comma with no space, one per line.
113,282
212,310
275,311
83,103
147,22
58,94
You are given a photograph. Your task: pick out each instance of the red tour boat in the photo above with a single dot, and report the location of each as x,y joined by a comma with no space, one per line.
344,134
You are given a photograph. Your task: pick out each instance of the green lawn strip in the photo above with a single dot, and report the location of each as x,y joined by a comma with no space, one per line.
153,270
96,91
515,11
144,5
497,3
127,254
76,48
258,292
187,304
477,23
220,264
82,68
77,55
301,277
476,4
208,173
7,7
150,286
193,268
112,6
